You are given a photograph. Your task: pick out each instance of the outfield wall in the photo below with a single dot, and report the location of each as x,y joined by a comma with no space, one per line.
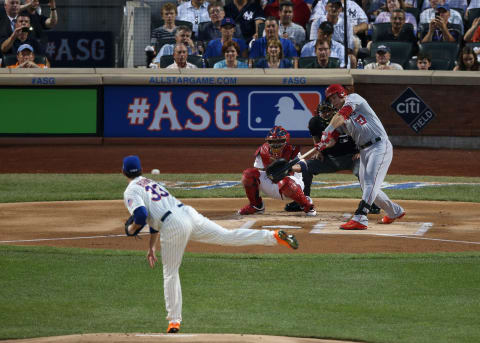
207,106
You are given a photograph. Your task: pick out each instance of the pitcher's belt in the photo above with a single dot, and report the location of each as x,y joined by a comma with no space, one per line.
166,214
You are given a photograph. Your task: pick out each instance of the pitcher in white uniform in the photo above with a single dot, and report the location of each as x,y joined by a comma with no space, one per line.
151,204
356,118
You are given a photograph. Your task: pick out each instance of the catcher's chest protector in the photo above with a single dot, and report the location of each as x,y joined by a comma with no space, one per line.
289,152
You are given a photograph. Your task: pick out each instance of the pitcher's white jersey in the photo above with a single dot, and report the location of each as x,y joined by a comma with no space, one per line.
363,124
157,200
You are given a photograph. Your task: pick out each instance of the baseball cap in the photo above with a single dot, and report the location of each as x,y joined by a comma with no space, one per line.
227,21
131,165
383,48
335,2
24,46
446,7
326,27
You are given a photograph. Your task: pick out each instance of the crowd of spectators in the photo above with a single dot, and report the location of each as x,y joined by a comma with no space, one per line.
381,34
22,32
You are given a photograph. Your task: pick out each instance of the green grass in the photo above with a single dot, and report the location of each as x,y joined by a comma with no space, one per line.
66,187
424,298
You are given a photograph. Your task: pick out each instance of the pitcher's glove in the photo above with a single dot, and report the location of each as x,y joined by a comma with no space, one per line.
130,221
278,170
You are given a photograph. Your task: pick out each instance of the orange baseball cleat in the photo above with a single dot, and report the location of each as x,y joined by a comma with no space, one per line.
388,220
173,327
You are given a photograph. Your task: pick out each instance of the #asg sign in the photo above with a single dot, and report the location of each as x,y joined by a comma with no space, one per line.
413,110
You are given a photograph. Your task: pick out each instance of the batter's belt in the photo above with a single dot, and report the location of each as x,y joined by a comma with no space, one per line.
369,143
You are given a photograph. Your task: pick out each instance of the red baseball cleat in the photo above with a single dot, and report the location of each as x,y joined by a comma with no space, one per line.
353,225
173,327
388,220
250,209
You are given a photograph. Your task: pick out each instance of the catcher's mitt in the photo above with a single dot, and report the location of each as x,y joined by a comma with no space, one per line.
127,224
278,170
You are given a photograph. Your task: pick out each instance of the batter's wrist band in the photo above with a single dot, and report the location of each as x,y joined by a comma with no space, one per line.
329,128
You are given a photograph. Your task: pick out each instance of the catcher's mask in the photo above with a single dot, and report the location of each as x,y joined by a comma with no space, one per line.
277,138
326,110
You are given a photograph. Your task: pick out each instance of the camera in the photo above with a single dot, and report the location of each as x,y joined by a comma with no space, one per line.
27,29
437,14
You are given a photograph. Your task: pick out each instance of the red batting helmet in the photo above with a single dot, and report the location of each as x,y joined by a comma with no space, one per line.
335,89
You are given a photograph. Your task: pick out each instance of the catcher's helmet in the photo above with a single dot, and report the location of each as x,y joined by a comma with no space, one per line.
335,89
277,138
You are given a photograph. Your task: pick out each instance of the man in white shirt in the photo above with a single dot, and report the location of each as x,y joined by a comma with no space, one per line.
180,55
383,60
194,11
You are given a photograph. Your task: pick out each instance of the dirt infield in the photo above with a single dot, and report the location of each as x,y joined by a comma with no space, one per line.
427,227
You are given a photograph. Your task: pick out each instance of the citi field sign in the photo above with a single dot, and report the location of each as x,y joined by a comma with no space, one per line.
191,111
413,110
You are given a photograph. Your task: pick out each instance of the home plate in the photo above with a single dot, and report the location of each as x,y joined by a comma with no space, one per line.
396,228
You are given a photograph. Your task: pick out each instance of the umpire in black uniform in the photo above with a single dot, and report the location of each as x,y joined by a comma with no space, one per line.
342,156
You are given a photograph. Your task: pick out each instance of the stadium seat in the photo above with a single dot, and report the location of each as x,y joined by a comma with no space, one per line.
472,14
442,64
305,61
379,29
441,52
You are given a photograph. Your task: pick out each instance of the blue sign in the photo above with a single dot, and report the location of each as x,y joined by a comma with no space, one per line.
214,111
413,110
67,49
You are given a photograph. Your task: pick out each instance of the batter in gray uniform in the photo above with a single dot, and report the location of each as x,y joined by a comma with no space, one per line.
151,203
357,119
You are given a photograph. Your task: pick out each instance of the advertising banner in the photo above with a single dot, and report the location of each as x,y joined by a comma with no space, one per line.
48,111
80,49
192,111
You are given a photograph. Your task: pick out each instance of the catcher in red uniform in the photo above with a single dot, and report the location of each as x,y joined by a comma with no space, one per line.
255,179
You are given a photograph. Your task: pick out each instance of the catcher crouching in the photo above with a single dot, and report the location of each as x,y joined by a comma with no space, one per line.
280,182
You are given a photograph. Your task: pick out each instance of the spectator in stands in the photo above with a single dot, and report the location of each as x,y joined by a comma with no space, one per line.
8,17
356,15
322,51
440,30
392,5
168,29
184,36
334,9
39,21
26,58
21,35
472,4
460,4
180,55
194,11
473,34
424,61
399,31
325,32
231,51
467,60
429,14
212,30
248,14
382,57
300,11
259,45
288,29
214,47
274,57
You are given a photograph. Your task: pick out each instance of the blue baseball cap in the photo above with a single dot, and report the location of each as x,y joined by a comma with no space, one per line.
24,46
227,21
131,165
446,7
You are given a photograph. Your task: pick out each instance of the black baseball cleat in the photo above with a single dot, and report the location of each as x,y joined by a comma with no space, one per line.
293,207
374,209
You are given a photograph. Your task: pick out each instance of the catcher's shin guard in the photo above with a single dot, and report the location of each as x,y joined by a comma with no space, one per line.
290,189
251,182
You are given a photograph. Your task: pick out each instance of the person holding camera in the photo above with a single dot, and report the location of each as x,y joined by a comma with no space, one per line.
439,29
40,22
20,35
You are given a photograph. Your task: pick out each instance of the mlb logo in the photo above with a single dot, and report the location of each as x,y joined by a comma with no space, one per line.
290,109
413,110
